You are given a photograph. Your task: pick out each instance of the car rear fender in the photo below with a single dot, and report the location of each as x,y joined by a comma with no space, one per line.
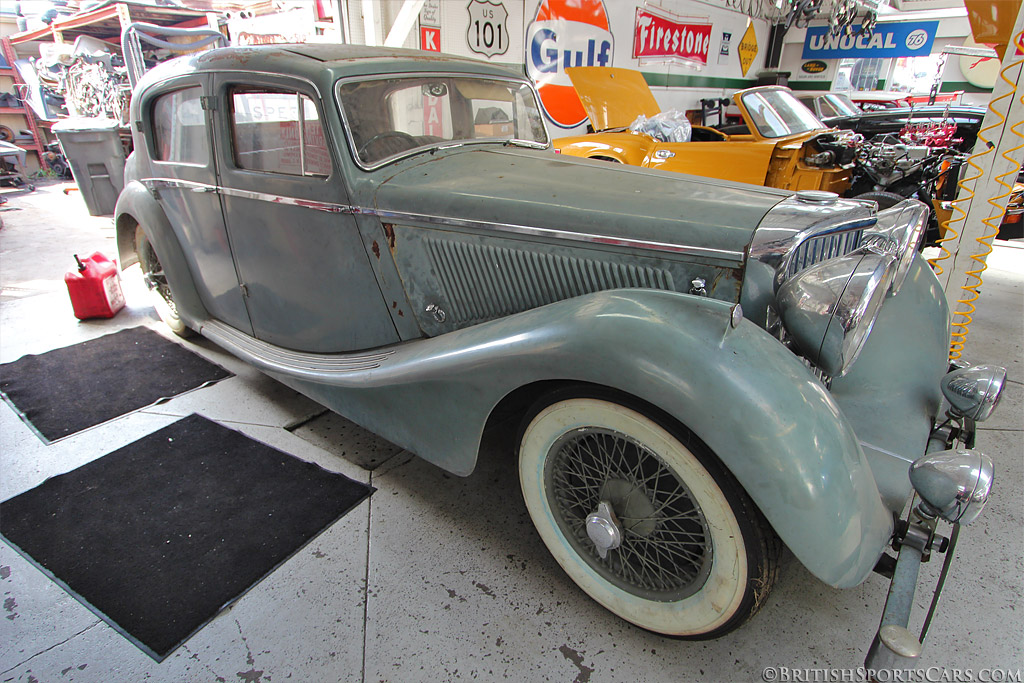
758,407
137,206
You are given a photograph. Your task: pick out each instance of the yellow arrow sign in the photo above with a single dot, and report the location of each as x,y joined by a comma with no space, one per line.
748,48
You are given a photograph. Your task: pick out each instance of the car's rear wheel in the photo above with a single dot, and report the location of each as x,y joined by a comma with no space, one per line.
156,280
644,518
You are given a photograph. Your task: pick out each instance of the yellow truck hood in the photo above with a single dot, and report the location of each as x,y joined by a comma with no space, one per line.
612,97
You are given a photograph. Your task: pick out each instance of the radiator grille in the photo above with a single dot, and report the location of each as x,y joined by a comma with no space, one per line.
486,282
823,247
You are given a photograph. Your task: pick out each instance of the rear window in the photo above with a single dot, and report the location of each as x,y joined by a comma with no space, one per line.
179,128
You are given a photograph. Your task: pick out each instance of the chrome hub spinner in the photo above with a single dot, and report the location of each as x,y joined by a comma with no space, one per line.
603,529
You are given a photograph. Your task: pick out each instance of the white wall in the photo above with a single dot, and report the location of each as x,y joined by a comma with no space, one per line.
951,31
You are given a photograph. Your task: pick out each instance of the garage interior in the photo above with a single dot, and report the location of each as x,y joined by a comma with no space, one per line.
429,576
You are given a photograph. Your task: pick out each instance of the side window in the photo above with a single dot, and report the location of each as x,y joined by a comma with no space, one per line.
179,128
278,132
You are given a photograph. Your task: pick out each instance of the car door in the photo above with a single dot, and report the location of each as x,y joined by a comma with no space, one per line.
305,273
184,180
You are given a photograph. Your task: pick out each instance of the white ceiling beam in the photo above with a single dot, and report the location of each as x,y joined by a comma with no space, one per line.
370,23
407,17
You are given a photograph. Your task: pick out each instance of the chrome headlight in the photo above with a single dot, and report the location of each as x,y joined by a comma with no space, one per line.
974,392
953,485
898,232
830,307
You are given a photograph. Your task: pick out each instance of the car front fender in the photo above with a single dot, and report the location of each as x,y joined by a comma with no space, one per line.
136,205
769,420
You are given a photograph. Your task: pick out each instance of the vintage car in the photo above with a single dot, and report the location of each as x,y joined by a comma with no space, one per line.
779,144
963,121
701,371
826,105
876,100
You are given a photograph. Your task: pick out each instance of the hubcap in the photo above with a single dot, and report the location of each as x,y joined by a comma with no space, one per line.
603,530
627,514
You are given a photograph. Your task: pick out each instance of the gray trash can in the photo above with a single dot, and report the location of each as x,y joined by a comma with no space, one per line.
94,152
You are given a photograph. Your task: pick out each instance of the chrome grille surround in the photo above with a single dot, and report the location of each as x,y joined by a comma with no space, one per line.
822,247
796,234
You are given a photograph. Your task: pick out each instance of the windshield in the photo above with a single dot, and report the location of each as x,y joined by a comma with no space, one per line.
388,118
776,113
843,105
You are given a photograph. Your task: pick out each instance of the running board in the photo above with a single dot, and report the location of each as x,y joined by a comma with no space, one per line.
329,368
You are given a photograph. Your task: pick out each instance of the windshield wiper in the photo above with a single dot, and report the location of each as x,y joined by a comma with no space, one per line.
532,144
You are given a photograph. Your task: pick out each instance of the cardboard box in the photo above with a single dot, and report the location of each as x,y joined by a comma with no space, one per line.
493,130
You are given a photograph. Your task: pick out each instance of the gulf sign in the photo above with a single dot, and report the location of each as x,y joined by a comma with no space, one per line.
658,36
904,39
566,33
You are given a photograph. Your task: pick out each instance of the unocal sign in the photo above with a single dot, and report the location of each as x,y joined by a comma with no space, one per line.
905,39
659,36
566,33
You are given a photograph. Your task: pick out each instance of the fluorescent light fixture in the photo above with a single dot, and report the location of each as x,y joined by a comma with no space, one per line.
888,14
985,52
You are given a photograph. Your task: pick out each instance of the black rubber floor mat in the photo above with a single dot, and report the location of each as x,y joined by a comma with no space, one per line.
159,536
76,387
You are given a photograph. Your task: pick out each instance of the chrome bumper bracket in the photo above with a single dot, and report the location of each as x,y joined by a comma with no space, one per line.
894,646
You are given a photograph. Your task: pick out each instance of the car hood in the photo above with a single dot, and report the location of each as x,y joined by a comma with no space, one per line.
538,189
612,97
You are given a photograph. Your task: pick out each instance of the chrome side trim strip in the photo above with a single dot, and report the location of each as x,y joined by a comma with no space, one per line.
329,207
292,363
173,183
724,254
441,221
154,184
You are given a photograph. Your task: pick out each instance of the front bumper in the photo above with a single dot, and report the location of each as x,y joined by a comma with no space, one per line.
894,401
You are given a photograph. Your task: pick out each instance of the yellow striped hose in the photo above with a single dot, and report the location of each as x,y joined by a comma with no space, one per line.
962,319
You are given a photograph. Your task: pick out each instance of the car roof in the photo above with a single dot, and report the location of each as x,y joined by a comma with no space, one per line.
319,60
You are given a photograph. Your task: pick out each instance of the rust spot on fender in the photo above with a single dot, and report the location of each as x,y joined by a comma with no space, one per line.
389,233
400,314
376,250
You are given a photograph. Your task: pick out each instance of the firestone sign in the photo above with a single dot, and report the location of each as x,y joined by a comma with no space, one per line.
905,39
566,33
661,35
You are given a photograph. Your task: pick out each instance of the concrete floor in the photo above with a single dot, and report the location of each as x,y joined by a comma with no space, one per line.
436,577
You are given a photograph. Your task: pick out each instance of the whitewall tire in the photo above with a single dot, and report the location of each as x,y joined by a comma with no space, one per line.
160,289
685,551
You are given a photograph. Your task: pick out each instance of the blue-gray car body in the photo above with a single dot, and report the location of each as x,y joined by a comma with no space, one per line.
424,296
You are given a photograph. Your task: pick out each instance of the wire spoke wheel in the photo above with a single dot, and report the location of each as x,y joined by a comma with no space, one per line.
665,552
156,280
642,517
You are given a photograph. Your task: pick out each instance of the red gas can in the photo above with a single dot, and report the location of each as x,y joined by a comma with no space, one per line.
95,287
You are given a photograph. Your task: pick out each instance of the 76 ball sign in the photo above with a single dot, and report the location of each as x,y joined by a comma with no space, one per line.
488,30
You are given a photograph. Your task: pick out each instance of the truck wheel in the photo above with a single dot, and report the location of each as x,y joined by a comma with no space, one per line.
643,517
160,290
